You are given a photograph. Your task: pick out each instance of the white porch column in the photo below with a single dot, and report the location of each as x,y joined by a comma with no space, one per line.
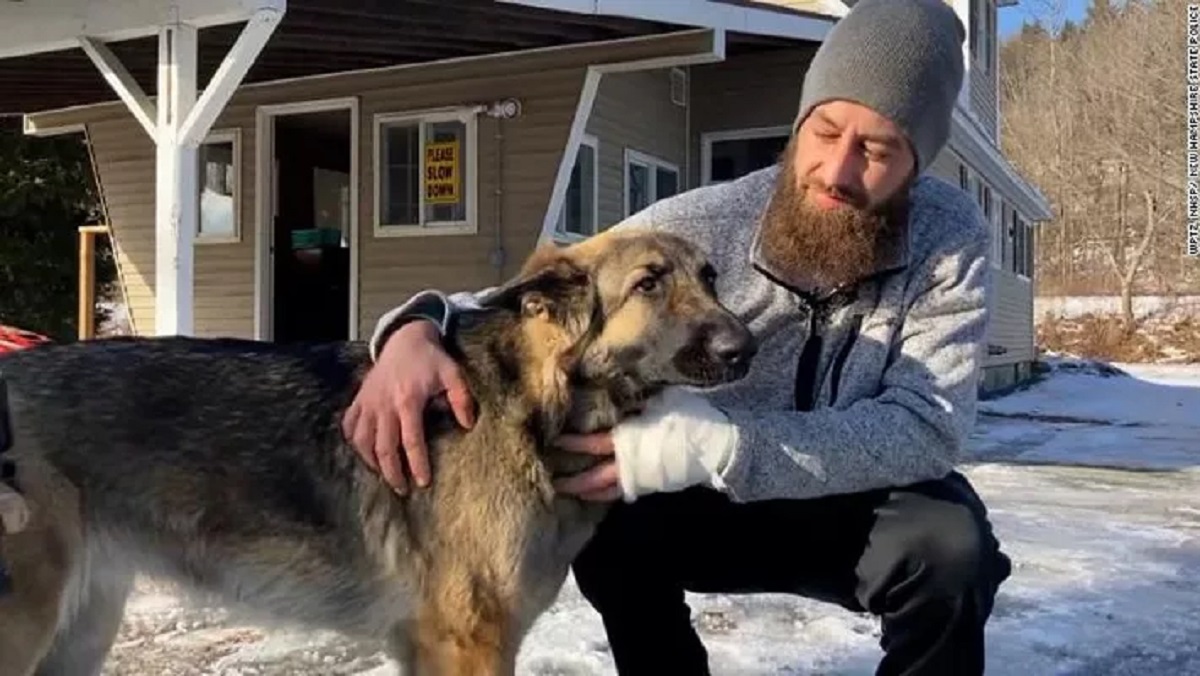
178,122
176,182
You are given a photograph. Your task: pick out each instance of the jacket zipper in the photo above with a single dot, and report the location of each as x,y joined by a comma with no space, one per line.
806,366
842,356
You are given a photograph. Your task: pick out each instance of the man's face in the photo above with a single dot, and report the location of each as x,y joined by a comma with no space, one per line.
848,155
841,197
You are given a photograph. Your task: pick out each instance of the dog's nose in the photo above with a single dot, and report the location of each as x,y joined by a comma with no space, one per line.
732,347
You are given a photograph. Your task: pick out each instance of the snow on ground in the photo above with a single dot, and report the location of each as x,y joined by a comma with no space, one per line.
1143,306
1093,482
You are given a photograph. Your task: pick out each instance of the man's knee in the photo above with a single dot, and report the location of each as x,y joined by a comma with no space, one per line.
941,546
955,550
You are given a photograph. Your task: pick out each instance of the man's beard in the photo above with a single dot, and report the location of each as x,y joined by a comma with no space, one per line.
818,249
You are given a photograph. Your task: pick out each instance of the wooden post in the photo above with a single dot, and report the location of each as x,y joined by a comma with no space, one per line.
87,279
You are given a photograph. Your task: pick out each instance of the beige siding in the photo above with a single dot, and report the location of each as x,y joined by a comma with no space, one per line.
548,83
1011,325
394,268
224,273
745,91
634,111
124,158
1010,299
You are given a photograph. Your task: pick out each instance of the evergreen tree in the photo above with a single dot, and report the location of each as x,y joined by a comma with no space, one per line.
47,191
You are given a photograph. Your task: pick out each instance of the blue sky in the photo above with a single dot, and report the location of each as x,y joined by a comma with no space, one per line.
1011,18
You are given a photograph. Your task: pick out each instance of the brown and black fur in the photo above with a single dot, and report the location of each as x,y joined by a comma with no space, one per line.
220,464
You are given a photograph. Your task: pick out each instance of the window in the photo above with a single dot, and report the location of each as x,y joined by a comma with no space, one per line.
982,22
729,155
218,168
1022,246
580,214
1007,225
983,197
989,41
425,174
1013,226
647,180
995,222
1027,255
964,178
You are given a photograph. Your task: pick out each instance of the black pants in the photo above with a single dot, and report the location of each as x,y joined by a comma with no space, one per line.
922,558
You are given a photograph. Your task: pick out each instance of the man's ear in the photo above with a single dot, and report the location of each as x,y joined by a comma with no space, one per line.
548,279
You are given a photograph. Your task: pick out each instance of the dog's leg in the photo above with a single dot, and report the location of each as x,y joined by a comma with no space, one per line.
82,646
402,648
443,651
464,629
42,560
29,616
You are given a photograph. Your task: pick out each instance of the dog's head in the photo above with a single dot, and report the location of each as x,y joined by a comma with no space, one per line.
634,310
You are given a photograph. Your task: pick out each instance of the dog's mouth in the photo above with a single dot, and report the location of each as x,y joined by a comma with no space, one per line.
718,355
707,372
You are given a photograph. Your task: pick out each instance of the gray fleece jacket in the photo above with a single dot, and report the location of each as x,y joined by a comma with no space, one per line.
884,394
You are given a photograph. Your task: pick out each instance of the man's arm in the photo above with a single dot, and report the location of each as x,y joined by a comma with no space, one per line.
915,429
429,304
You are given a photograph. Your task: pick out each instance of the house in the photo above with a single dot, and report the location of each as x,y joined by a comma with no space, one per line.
337,157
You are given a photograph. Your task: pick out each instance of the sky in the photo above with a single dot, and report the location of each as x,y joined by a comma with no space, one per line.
1011,18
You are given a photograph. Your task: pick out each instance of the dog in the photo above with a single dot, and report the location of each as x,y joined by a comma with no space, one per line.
220,464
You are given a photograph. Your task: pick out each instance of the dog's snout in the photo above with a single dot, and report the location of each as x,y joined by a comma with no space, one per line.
732,345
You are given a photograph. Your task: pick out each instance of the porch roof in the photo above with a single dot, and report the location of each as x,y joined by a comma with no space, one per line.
328,36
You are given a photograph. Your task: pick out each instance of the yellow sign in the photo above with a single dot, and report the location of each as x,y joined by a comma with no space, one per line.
441,172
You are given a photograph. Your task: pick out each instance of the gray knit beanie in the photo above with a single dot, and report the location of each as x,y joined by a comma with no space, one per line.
901,58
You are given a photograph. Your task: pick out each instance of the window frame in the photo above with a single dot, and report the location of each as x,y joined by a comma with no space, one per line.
559,232
653,164
231,135
424,228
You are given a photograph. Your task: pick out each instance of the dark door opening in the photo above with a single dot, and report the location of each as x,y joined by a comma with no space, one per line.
312,226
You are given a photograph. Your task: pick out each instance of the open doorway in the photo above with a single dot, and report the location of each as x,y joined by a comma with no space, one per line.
309,267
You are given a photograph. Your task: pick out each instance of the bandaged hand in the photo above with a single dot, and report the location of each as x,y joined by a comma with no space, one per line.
678,441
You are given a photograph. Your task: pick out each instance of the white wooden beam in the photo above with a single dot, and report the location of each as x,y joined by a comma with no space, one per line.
176,184
742,18
117,77
37,26
714,53
229,75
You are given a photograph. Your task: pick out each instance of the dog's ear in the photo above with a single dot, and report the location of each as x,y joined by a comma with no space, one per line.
549,281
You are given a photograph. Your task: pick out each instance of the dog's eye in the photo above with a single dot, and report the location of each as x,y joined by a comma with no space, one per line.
708,275
647,284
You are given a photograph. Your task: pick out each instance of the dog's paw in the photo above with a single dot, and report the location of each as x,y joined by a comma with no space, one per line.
14,511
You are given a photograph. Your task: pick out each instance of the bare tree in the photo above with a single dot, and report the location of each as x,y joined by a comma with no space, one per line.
1095,116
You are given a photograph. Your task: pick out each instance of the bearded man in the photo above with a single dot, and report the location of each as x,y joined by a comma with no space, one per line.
829,471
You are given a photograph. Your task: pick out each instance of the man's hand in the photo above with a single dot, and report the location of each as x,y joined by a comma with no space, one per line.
600,483
412,369
679,441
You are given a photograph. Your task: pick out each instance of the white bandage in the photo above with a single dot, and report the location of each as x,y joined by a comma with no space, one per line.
679,440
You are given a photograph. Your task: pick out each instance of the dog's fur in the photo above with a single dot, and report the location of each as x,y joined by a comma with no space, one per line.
221,464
